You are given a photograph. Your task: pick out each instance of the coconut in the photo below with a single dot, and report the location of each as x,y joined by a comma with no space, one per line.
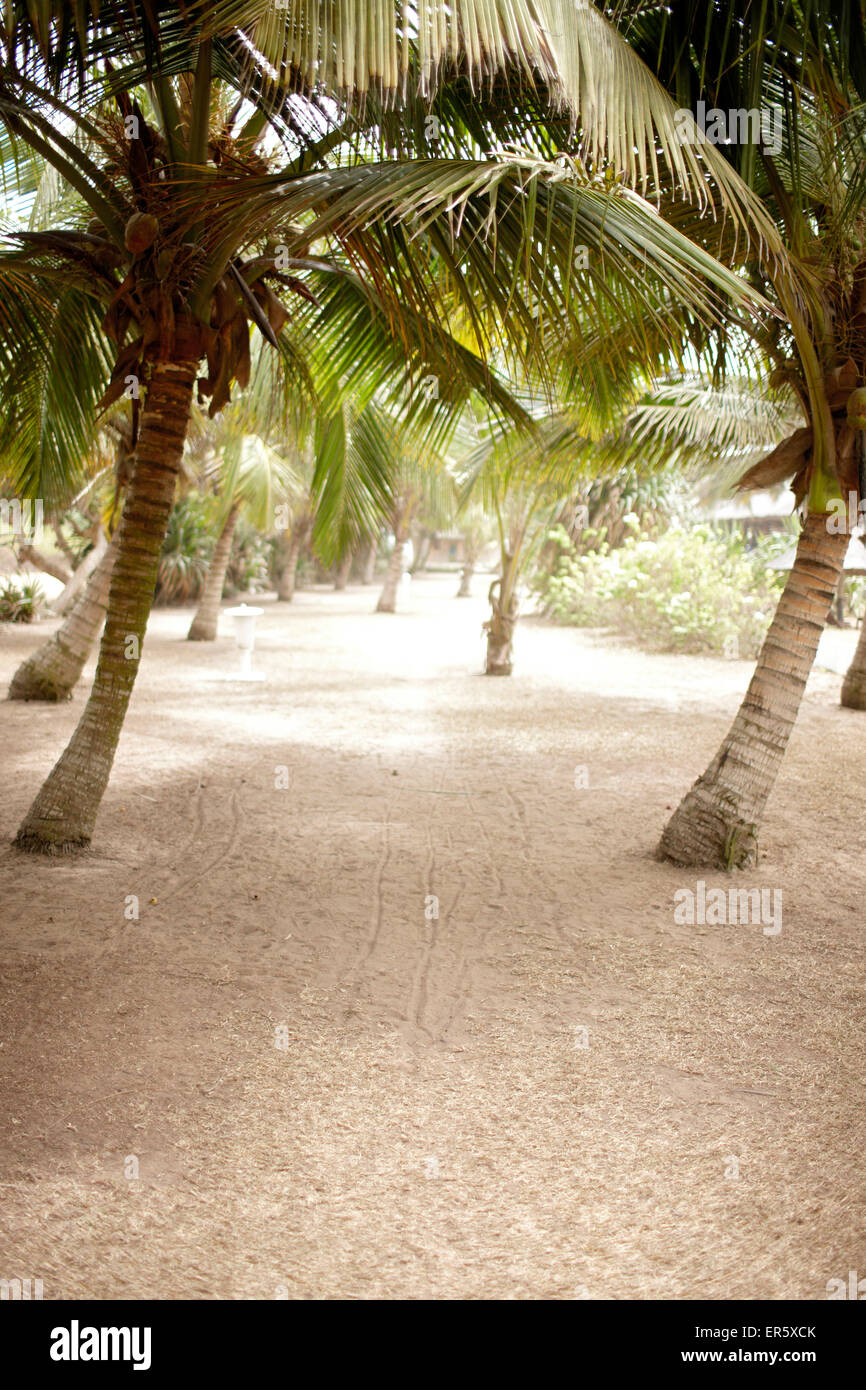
140,233
857,409
164,262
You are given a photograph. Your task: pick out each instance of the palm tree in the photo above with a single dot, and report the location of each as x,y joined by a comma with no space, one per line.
368,569
420,485
95,534
522,481
53,448
475,528
53,670
805,62
854,685
161,128
299,532
373,467
203,627
251,478
408,499
718,821
344,568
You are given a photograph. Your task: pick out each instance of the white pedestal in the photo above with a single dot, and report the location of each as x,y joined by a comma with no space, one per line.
245,634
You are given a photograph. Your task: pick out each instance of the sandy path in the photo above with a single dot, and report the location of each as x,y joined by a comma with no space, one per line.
430,1124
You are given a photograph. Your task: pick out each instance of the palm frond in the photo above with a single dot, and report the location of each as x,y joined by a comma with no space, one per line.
54,368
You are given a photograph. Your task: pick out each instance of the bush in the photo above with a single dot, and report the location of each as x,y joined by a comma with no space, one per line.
20,600
250,560
189,544
186,552
695,590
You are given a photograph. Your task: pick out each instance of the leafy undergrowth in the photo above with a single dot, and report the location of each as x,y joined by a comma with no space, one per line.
695,590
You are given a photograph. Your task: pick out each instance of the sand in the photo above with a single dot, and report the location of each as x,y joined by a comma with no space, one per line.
291,1078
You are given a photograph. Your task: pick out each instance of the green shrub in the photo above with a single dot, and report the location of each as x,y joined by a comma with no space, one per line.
20,600
694,589
189,544
250,560
186,551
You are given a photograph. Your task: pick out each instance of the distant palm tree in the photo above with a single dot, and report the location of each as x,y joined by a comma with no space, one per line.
299,532
250,477
522,481
476,531
389,469
253,479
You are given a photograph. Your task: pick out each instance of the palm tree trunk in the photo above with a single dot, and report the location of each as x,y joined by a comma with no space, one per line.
500,632
297,541
63,544
465,590
343,571
425,545
854,684
54,668
716,823
64,812
370,563
285,590
29,554
203,627
80,577
388,597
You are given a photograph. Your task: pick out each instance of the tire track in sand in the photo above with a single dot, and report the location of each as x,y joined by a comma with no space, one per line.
213,862
418,996
350,979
